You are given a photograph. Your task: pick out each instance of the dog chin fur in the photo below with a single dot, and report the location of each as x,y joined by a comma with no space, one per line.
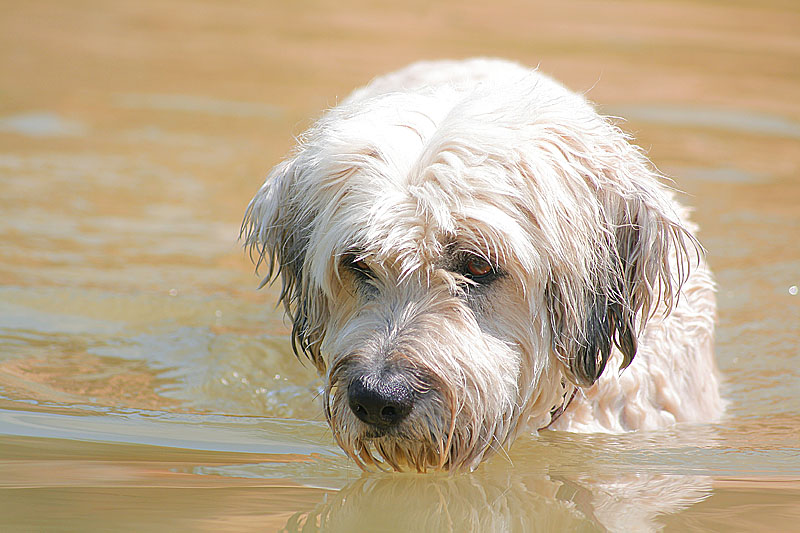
375,224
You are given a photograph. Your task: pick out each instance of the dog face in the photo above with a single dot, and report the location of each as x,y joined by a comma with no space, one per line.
457,259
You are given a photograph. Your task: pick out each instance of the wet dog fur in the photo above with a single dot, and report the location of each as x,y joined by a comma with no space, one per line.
465,247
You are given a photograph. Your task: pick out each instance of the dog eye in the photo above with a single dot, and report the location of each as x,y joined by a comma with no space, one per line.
477,268
359,266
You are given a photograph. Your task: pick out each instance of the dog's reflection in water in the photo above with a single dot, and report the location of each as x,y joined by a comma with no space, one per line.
495,501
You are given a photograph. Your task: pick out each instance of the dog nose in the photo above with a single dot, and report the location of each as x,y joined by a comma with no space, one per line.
382,401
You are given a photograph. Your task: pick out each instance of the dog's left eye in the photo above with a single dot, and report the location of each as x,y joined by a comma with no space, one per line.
477,269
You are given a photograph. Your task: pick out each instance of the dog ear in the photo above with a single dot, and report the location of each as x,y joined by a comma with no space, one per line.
637,260
276,229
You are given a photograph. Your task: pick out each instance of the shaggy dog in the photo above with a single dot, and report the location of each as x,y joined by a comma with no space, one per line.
463,246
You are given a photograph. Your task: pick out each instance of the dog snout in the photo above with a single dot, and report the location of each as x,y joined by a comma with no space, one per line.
381,400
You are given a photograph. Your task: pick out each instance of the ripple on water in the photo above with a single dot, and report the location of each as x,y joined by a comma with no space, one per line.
735,120
42,124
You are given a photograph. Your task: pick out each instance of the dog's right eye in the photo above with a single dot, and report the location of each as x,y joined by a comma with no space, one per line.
359,266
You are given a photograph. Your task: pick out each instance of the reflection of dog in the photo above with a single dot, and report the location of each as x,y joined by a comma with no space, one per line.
462,246
504,499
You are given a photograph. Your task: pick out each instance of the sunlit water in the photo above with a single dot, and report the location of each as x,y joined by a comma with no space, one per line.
146,385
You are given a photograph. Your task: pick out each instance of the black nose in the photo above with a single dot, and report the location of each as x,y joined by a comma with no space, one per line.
383,400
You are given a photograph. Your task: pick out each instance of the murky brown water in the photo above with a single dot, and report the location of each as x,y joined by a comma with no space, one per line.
146,385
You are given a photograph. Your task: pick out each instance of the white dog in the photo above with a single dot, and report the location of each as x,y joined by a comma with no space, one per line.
463,246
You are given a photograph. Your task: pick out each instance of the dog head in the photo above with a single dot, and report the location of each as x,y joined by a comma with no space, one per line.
455,261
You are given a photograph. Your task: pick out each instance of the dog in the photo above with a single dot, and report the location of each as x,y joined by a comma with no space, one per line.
468,250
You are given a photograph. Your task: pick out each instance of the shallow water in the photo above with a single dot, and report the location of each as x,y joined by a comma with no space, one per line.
145,383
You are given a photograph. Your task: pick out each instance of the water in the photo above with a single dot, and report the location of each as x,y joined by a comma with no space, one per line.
146,385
